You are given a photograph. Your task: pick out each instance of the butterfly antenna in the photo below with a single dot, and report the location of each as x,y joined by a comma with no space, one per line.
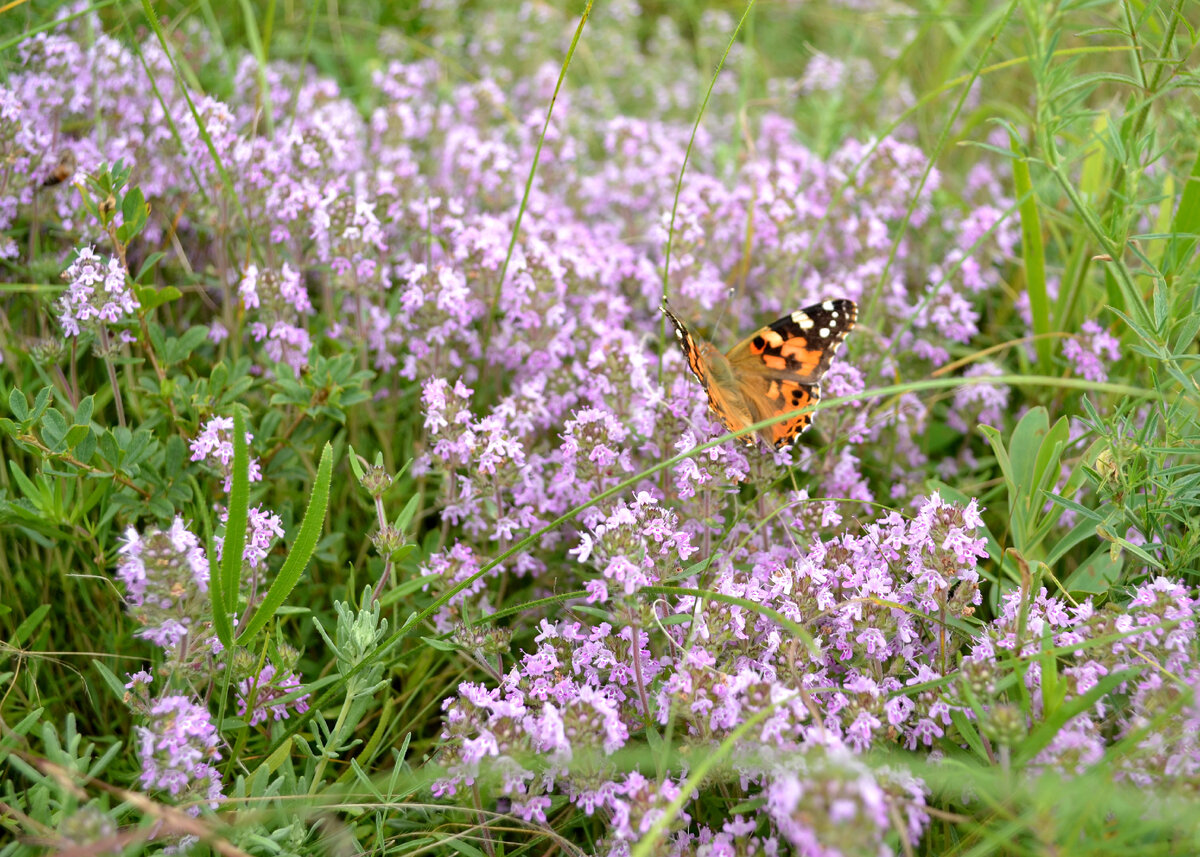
724,307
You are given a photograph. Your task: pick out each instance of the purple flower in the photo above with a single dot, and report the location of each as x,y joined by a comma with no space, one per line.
636,545
177,747
979,403
1092,352
267,691
262,528
215,443
166,582
97,294
835,804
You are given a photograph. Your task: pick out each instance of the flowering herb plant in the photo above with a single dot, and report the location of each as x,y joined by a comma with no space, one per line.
357,497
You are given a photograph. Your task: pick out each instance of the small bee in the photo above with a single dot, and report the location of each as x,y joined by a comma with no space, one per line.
62,170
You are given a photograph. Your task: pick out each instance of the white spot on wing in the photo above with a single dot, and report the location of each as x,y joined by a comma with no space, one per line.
823,332
827,305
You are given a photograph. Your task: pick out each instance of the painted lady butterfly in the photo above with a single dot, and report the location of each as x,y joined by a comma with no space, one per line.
775,371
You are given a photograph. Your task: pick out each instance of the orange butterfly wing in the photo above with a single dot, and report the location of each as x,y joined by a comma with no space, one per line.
776,370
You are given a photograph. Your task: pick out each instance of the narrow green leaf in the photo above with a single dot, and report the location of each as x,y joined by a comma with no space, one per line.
32,621
227,581
1034,257
1091,175
966,728
1096,574
148,266
1001,452
109,678
1023,448
302,549
1053,688
1083,530
1047,464
355,467
1044,733
31,491
406,515
1186,223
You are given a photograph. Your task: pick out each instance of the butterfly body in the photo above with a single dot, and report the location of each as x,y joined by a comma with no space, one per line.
776,370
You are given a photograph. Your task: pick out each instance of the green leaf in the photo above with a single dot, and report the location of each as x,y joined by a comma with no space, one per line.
1097,574
1048,462
26,628
1186,225
355,467
54,428
86,448
135,212
42,400
18,404
148,266
1041,736
966,728
1082,530
161,507
83,412
76,435
31,491
302,548
109,678
440,645
1034,256
152,297
178,350
406,515
229,574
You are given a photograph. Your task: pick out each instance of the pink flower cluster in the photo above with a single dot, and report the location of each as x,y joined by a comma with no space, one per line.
98,293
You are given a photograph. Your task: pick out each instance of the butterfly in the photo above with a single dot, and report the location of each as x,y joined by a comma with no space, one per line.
776,370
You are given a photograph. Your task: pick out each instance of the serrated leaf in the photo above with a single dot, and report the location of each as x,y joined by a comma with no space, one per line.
227,581
301,550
